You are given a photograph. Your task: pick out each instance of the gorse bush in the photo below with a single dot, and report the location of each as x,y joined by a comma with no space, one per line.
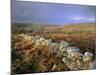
31,54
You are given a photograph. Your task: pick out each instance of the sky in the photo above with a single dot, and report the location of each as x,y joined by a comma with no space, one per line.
51,13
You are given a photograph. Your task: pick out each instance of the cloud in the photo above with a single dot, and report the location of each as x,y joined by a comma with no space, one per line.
82,18
77,18
92,19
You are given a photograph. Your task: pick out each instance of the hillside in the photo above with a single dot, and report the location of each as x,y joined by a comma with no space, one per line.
48,48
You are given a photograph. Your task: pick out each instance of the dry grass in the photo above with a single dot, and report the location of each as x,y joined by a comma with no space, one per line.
28,57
